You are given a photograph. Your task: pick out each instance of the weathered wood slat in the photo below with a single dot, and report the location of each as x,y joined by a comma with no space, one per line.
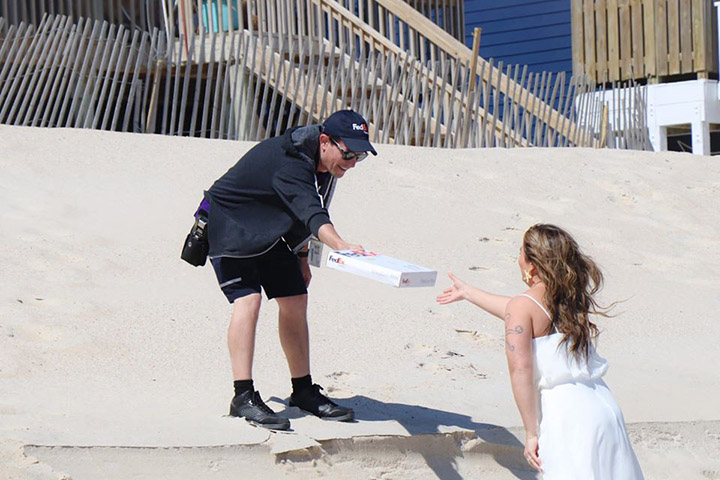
613,33
625,39
702,37
661,38
636,17
257,88
590,63
649,34
518,140
673,29
429,102
208,82
171,57
601,38
222,64
561,96
200,66
171,106
686,43
505,107
546,127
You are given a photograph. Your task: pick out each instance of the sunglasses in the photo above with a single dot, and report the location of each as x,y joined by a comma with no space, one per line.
348,155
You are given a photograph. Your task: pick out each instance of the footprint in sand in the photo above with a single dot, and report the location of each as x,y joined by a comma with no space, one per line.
436,361
479,338
459,368
339,382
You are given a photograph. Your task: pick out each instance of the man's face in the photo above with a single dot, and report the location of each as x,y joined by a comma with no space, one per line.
331,157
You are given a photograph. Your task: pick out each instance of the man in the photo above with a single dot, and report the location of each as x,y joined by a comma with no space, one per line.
262,213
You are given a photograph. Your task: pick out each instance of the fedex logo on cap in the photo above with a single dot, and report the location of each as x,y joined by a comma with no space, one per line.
362,127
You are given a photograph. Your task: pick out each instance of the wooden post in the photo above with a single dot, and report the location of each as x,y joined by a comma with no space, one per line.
474,60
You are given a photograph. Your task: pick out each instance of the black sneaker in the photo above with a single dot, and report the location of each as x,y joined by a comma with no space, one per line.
251,406
311,400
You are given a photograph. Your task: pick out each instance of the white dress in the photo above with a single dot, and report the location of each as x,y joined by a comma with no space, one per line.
582,432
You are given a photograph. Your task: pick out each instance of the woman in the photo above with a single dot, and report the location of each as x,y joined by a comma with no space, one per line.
574,429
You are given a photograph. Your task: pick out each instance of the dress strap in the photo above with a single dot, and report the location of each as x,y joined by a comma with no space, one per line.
537,303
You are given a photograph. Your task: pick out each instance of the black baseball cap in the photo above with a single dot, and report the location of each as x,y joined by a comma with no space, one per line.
350,127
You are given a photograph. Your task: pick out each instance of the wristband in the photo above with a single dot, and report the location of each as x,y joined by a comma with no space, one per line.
304,254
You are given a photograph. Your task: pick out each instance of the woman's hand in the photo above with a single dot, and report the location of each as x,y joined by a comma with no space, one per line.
458,291
531,452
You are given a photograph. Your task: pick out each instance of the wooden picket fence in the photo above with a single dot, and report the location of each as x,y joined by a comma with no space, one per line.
249,85
633,39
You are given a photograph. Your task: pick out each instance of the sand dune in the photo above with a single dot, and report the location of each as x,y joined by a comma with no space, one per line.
112,350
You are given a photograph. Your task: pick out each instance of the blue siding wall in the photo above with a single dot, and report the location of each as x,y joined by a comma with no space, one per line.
536,33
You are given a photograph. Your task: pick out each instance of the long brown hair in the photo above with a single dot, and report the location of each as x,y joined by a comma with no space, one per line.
571,279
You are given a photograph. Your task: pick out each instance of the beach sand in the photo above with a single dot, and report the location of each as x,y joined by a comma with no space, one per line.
113,360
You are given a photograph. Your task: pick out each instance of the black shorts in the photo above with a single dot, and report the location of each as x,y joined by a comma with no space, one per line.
276,271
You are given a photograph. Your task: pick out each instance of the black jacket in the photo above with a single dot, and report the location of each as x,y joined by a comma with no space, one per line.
271,193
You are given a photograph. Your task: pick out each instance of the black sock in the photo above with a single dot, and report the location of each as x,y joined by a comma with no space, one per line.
242,386
301,383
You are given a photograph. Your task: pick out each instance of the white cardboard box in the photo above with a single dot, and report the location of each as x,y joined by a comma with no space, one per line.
382,268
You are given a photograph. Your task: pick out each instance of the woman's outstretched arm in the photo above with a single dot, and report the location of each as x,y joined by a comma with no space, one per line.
491,303
518,349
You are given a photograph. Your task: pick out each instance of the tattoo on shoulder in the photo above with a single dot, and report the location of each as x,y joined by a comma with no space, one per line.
512,331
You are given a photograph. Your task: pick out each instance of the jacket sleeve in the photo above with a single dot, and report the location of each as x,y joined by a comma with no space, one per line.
296,186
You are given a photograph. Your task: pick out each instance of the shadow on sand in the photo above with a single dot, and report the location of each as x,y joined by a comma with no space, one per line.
501,444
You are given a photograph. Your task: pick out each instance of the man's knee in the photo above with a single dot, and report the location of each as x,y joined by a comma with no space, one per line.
294,305
247,307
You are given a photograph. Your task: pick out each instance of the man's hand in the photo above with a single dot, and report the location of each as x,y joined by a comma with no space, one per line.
330,237
305,269
351,246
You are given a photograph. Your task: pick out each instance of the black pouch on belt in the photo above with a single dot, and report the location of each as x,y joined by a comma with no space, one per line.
196,247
